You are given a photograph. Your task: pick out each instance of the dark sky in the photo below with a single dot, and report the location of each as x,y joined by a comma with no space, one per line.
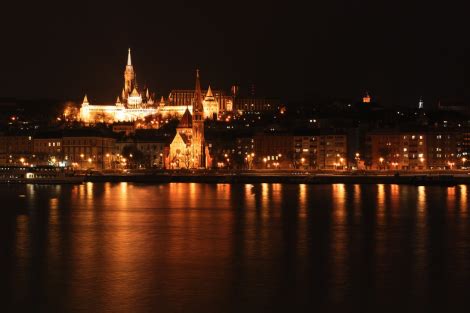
398,51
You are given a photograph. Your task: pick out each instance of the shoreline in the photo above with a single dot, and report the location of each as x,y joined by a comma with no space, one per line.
415,179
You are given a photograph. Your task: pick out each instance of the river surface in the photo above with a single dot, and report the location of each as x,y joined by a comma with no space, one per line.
121,247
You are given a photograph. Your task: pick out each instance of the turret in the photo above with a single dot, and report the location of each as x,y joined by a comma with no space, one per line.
162,102
85,101
123,94
211,106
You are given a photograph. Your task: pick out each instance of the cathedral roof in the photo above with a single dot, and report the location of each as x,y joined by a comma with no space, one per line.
186,121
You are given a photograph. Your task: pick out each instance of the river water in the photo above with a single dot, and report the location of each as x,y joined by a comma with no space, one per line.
121,247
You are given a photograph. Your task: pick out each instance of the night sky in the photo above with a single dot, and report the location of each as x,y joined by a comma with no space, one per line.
398,51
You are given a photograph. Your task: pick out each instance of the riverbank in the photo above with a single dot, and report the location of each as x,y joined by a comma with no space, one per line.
256,178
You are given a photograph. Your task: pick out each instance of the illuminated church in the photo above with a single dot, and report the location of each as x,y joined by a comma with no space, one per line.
131,105
188,148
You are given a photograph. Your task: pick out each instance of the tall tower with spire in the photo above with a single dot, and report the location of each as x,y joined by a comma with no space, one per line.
129,76
198,126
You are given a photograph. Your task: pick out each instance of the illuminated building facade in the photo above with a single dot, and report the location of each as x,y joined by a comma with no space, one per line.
133,104
401,150
215,103
16,148
88,148
445,149
47,147
321,151
273,150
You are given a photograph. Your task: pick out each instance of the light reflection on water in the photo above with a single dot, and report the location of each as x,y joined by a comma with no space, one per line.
256,247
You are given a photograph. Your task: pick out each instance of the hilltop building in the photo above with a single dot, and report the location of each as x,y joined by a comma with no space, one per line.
133,103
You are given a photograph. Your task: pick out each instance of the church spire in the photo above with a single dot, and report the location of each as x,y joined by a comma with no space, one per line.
198,126
85,100
129,62
129,75
198,95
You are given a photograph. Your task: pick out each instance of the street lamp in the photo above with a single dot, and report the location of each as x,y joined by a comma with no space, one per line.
249,160
381,162
463,162
357,158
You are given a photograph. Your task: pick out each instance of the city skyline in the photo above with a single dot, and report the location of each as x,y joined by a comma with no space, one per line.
337,50
234,156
